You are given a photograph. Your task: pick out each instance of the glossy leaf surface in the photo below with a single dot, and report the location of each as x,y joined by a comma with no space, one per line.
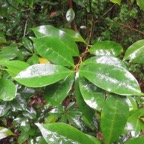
106,48
109,60
133,123
70,15
4,132
56,93
61,35
39,75
54,50
91,94
113,118
4,108
87,112
135,52
74,34
138,140
111,78
60,133
7,90
14,67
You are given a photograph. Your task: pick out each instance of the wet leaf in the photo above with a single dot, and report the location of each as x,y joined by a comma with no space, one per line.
4,132
4,108
113,118
91,94
54,50
70,15
106,48
111,78
133,123
87,112
56,93
27,44
14,66
132,103
135,53
109,60
40,75
138,140
74,34
51,31
7,90
60,133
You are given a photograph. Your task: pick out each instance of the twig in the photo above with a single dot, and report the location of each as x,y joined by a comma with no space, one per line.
127,26
25,27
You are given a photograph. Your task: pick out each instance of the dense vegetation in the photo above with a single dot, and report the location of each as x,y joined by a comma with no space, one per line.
71,72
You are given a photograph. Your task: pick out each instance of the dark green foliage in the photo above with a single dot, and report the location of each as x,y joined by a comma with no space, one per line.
71,72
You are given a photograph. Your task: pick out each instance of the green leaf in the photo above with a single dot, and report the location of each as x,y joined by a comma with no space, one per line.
40,75
135,52
132,103
23,137
4,108
133,122
140,3
14,66
7,90
4,132
91,94
34,59
109,60
138,140
51,31
56,93
116,1
111,78
54,50
60,133
27,44
74,34
106,48
2,38
113,118
9,52
87,112
70,15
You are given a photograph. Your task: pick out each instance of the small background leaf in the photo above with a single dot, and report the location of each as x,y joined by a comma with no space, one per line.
116,1
70,15
4,132
7,90
140,3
